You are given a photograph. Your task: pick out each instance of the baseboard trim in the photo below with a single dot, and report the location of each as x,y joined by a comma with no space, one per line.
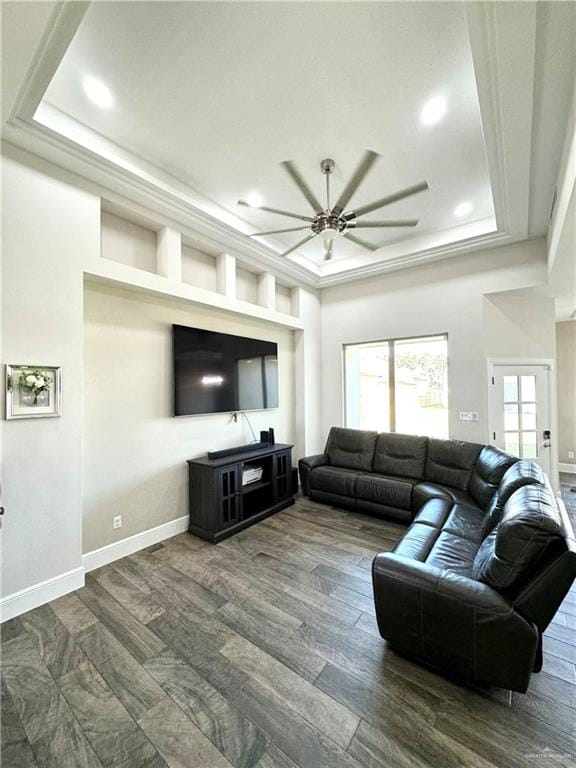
99,557
39,594
19,602
570,468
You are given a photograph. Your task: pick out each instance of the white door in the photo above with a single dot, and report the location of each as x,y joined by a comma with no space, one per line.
519,411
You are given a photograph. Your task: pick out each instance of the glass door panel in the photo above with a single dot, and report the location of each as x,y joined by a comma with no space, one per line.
519,411
367,369
421,386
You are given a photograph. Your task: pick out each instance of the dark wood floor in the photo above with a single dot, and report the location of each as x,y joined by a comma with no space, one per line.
261,651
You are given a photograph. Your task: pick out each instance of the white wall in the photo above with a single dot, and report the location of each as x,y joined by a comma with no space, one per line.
445,297
519,325
128,243
51,236
48,226
246,285
566,367
198,268
134,450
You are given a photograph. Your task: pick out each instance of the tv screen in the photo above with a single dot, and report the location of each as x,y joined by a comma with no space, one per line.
218,372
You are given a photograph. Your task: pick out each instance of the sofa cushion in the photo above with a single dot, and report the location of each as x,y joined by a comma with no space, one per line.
334,499
400,455
390,491
453,553
334,480
396,514
417,542
434,512
458,519
520,474
531,523
450,462
465,521
489,470
351,448
423,492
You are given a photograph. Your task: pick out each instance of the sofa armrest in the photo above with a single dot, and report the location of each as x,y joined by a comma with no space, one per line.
444,583
306,465
453,622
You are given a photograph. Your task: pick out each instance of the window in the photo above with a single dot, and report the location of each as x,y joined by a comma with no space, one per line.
520,416
400,385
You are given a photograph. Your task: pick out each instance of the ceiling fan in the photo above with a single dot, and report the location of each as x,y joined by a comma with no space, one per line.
332,221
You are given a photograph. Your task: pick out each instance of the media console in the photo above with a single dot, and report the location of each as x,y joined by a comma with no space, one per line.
220,505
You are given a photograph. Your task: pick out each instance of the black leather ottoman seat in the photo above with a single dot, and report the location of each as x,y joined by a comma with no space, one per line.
487,558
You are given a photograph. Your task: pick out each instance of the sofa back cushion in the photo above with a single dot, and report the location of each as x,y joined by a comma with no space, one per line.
351,448
489,470
521,473
450,462
531,524
400,455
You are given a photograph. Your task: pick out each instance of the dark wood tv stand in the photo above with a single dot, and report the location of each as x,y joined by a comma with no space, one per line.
220,505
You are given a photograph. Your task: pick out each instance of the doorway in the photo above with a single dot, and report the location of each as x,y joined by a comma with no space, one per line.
520,412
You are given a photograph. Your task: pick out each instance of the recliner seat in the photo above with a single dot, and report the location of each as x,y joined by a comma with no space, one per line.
487,558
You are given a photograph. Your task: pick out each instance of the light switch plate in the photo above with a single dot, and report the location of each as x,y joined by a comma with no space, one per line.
468,416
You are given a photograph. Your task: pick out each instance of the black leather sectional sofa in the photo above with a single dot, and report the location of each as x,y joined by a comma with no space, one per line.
487,558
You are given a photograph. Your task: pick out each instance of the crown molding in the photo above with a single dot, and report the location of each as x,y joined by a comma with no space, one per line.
505,86
427,256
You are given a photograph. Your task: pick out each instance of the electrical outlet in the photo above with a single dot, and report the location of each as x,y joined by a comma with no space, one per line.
117,522
468,416
570,454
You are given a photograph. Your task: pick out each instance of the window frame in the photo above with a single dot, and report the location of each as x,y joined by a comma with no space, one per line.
391,342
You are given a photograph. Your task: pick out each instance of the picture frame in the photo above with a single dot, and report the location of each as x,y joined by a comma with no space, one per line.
33,391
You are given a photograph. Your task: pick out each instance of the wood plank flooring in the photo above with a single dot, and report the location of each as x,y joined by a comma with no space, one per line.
261,652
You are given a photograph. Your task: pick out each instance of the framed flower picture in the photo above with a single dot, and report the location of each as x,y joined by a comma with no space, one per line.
33,391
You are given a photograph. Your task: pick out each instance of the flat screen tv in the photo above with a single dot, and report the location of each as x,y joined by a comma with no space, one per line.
218,372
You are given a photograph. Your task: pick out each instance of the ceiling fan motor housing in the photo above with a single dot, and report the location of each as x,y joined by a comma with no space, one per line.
328,226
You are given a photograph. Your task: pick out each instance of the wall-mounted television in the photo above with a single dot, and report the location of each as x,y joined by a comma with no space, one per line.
219,372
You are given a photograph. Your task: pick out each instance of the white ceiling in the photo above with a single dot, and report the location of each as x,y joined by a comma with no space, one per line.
218,94
210,97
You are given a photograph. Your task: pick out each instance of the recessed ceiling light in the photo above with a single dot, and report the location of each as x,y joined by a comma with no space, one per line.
254,200
97,92
433,111
463,210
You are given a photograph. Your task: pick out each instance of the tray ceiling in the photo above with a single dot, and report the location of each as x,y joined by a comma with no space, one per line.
204,101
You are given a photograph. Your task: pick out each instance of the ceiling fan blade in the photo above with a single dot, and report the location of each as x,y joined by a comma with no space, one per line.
363,243
328,244
357,177
294,174
390,223
387,200
298,245
276,210
278,231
